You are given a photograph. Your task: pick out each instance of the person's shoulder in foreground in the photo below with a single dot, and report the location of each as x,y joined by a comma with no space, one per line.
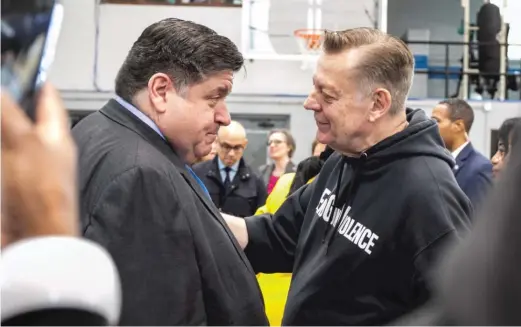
179,263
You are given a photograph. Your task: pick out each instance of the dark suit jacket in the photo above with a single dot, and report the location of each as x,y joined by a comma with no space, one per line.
246,194
178,261
473,173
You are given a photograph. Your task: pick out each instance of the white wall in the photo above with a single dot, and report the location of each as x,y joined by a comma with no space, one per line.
120,25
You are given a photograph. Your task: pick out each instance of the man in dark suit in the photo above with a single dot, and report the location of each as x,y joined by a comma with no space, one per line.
473,171
179,263
234,187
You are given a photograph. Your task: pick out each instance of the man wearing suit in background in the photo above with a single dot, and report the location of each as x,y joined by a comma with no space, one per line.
473,171
233,185
178,261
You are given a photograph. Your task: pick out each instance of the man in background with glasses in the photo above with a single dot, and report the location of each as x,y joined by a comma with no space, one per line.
233,186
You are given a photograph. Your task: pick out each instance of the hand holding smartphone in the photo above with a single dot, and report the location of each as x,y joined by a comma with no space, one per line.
30,31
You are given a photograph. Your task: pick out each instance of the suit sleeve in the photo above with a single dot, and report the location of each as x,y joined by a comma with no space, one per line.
272,239
479,187
140,221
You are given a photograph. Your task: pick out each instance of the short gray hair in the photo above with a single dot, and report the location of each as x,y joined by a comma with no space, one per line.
387,60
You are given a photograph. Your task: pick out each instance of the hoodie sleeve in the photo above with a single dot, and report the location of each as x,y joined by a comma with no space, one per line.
437,215
272,239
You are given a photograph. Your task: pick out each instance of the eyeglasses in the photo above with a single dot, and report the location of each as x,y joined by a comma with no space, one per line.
228,147
276,142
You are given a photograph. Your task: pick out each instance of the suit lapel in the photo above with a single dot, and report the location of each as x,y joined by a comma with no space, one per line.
462,157
114,111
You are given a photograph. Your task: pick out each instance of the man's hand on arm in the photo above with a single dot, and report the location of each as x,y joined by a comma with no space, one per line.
269,241
238,227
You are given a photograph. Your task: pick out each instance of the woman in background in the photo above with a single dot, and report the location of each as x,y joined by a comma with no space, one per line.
275,287
500,158
281,147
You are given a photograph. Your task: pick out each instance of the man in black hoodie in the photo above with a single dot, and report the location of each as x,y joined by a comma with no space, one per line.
362,238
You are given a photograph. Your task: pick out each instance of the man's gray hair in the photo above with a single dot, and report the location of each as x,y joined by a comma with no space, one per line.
387,61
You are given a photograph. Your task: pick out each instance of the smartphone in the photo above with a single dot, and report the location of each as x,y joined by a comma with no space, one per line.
30,31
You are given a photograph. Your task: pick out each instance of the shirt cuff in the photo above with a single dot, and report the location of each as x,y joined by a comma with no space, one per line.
59,272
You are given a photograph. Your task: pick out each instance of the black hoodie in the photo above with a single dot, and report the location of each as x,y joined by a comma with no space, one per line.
362,237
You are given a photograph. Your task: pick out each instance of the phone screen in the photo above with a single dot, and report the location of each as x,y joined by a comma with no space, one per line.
30,31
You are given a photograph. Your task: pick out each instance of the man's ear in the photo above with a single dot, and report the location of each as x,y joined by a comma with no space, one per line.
381,104
459,125
158,86
245,143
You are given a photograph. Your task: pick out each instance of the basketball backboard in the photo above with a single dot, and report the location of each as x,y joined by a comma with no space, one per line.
269,25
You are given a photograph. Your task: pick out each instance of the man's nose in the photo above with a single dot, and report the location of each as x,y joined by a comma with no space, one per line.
311,103
222,116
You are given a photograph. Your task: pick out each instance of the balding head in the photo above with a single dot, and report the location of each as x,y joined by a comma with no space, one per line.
234,131
232,142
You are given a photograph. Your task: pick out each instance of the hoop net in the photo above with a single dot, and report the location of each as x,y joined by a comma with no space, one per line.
309,42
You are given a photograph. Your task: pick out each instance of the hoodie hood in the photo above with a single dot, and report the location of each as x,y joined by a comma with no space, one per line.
420,138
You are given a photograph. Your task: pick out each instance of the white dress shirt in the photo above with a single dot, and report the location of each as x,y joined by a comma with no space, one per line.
456,152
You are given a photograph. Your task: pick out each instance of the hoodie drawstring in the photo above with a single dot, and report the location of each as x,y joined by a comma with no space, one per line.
340,197
338,184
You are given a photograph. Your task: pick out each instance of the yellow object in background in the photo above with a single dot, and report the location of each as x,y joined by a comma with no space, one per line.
275,287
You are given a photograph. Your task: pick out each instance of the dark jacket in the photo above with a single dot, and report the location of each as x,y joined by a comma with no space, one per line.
246,194
474,174
362,237
266,170
179,263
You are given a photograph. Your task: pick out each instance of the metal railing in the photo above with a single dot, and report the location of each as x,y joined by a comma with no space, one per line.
469,72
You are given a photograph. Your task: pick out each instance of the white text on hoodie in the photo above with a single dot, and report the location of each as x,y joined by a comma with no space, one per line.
352,230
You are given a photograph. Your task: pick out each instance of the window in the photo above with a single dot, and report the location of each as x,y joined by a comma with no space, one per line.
224,3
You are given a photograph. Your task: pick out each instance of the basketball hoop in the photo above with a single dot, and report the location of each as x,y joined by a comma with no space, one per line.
310,43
